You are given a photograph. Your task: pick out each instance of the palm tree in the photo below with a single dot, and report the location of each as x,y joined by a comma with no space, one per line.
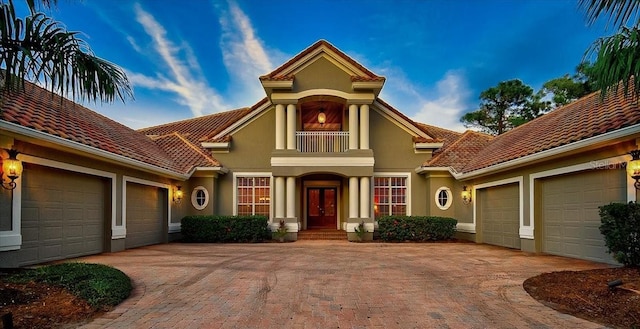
617,62
39,48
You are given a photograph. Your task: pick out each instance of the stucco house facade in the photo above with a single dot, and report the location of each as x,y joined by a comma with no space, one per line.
320,151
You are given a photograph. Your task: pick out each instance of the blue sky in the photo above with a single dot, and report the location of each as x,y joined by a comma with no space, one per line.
195,57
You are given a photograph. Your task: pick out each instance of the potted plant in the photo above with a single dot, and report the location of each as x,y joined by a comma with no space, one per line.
360,231
281,231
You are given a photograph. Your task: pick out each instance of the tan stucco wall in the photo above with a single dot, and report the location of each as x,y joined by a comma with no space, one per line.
322,74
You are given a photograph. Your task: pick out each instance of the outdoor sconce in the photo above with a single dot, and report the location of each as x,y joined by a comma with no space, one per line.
466,195
322,118
177,194
633,167
12,168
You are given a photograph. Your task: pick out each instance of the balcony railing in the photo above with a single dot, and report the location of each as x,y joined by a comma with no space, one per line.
322,141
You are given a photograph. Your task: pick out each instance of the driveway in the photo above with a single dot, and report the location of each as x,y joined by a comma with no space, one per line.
333,284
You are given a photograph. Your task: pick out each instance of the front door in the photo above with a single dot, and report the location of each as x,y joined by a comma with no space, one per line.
321,207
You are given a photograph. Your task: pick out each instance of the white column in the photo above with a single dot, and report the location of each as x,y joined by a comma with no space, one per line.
291,127
353,197
280,127
279,197
291,197
365,197
364,127
353,127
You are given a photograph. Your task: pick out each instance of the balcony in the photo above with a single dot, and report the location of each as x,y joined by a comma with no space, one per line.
322,141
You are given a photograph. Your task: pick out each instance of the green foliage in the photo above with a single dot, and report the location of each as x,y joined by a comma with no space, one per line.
360,230
567,89
617,57
281,231
225,229
100,285
507,105
40,48
621,230
416,228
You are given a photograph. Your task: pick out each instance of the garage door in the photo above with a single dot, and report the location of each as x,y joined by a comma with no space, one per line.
570,215
146,215
63,214
500,215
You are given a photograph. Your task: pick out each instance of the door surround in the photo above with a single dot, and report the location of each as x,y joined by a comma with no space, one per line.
322,183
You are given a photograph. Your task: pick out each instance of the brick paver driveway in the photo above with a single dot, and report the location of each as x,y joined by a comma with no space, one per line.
323,284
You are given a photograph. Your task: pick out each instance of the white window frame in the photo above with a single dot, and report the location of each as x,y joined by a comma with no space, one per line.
237,175
449,202
407,177
194,198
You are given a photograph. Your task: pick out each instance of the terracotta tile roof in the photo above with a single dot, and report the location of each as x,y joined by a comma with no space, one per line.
276,74
204,128
460,151
186,155
41,110
444,135
587,117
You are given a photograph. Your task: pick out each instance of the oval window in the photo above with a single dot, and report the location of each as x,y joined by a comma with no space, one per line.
199,198
443,198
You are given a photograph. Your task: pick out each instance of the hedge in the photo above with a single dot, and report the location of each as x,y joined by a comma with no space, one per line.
225,229
416,228
621,230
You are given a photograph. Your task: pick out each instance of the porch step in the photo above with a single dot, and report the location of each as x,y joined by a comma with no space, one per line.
322,235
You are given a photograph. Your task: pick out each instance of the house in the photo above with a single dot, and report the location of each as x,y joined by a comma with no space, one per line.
320,151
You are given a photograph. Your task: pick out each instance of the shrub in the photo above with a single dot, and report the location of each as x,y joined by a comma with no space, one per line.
225,229
100,285
416,228
621,229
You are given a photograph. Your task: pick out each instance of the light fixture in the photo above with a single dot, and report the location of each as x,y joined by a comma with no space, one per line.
177,194
466,195
322,118
12,168
633,167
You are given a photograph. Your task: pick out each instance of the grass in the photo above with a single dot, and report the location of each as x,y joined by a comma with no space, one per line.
100,285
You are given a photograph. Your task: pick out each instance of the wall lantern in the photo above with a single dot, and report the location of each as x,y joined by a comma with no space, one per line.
466,195
177,194
633,167
322,118
12,168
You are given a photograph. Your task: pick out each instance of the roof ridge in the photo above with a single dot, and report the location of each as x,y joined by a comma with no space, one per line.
197,149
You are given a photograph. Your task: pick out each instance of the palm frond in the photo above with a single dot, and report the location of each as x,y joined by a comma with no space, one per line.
620,12
617,62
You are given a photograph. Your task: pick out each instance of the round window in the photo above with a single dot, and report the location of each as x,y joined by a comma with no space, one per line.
443,198
200,198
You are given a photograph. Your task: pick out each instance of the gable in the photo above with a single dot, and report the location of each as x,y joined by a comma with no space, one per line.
322,73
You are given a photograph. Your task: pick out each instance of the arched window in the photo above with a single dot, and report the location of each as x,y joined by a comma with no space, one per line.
443,198
199,198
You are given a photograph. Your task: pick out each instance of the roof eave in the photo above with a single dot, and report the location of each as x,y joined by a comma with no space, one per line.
85,149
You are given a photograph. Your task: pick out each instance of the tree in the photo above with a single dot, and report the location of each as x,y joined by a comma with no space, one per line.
567,89
507,105
617,57
41,49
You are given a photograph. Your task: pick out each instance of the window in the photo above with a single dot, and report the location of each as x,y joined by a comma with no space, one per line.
389,196
199,198
443,198
253,196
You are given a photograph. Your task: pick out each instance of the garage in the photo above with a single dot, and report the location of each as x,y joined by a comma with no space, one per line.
146,215
570,215
63,214
499,215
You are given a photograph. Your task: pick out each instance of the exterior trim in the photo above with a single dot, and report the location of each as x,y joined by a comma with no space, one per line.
244,120
114,158
279,84
252,174
525,232
326,53
322,161
194,195
172,227
17,202
398,120
353,98
447,205
631,190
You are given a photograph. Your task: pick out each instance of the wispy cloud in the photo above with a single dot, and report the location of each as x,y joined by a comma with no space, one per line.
244,54
441,105
183,76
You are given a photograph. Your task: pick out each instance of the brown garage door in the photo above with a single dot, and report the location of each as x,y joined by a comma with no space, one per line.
570,215
499,215
63,214
146,215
